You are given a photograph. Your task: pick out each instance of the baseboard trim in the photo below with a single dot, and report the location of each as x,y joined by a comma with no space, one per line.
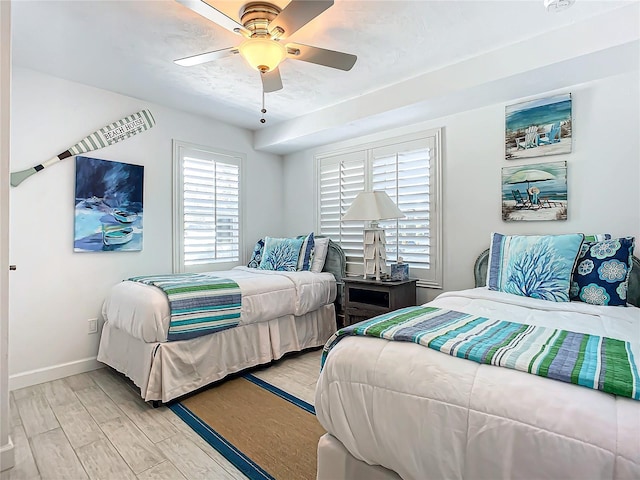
48,374
7,458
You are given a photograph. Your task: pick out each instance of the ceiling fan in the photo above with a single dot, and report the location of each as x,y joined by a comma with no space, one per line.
264,25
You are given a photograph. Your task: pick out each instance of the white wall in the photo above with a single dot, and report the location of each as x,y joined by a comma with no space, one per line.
54,291
7,456
603,174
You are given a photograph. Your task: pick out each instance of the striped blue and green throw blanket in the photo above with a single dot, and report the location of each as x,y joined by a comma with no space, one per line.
595,362
200,304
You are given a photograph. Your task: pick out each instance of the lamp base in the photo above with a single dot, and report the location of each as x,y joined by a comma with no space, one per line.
375,253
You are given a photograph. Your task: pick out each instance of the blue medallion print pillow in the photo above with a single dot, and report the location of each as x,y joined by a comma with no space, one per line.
281,254
537,266
256,256
601,276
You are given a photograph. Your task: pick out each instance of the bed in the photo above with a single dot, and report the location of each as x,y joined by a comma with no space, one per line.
281,312
400,410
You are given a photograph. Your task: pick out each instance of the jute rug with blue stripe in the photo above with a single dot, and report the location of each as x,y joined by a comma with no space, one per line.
262,430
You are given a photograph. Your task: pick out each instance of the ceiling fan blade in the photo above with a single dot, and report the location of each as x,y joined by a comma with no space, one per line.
271,81
321,56
206,57
208,11
297,14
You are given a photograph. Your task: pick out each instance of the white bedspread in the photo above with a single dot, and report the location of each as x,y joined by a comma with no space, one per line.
143,312
425,414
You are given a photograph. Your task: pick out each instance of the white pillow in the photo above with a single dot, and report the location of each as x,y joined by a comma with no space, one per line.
321,246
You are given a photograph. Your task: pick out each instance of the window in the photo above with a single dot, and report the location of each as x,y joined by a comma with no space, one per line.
341,179
408,169
207,200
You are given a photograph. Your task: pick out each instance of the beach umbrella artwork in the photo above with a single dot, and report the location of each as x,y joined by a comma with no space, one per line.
530,175
533,204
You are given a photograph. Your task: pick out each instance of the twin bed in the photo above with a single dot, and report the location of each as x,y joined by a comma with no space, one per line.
396,409
281,312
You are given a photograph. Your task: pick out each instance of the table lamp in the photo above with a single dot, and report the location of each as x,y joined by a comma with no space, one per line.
371,207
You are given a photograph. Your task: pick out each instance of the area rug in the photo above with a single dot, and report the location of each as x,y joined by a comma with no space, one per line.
262,430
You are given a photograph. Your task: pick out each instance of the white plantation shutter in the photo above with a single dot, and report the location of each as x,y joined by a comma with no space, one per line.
211,197
403,171
341,179
207,220
408,169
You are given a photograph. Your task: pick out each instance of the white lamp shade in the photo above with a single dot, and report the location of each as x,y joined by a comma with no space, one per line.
372,206
262,54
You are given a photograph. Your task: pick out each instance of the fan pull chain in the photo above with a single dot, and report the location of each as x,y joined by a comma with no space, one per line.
264,110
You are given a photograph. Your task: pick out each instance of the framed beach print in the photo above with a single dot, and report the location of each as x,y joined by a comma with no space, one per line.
534,192
538,128
108,206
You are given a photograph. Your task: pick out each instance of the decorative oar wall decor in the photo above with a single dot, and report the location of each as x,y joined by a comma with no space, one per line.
112,133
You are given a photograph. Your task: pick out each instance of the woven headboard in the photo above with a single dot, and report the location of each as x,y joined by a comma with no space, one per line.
336,261
633,291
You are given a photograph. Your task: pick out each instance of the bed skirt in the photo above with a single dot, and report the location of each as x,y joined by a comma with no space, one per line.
336,463
164,371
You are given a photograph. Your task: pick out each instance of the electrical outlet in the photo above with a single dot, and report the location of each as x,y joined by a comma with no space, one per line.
93,325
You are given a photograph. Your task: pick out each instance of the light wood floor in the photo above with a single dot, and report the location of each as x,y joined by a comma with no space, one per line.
95,426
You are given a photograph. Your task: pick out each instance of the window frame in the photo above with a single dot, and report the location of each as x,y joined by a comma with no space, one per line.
431,277
180,150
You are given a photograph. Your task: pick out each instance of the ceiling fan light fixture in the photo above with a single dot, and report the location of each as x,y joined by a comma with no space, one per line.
262,54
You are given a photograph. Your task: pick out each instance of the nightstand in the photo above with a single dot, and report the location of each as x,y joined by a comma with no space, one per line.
365,299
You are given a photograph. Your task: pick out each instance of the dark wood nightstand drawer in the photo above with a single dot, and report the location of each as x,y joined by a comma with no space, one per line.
365,299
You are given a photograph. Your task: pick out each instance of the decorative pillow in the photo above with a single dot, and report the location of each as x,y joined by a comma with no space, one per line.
306,252
537,266
319,254
256,256
589,240
281,254
601,276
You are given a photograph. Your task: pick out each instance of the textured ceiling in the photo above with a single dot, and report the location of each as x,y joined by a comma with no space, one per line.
129,47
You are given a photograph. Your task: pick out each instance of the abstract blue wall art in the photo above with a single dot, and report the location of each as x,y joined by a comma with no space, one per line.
108,206
539,127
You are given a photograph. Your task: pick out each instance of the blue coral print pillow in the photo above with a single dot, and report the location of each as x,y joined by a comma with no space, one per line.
602,272
256,256
281,254
537,266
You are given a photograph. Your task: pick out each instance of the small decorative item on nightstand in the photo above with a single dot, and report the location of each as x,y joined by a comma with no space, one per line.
400,270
